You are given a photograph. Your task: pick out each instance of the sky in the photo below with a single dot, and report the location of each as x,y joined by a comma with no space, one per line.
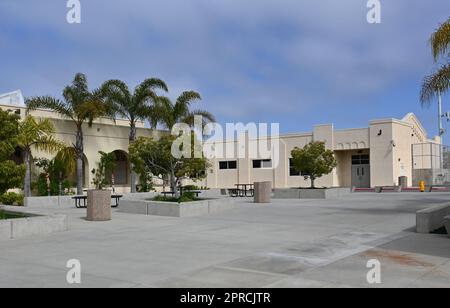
295,62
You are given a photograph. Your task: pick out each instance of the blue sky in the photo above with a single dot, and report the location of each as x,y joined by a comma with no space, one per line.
296,62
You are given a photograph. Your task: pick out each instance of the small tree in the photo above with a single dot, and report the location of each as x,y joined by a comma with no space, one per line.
104,173
11,175
313,161
156,157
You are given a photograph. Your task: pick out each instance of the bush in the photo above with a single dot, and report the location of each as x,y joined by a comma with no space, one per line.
12,199
186,197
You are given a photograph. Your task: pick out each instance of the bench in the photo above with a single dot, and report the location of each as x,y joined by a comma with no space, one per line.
432,218
80,201
447,224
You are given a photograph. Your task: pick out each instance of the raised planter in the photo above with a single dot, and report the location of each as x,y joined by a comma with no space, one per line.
432,218
304,193
32,226
172,209
99,205
447,224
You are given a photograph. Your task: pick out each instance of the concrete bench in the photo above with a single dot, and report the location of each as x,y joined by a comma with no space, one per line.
447,224
380,189
432,218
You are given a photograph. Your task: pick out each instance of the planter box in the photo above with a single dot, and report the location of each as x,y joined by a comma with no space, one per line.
99,205
447,224
303,193
32,226
432,218
172,209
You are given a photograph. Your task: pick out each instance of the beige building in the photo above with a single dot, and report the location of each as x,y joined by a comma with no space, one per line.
367,157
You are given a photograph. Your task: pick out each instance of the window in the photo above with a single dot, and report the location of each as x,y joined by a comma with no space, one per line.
361,160
225,165
262,164
292,170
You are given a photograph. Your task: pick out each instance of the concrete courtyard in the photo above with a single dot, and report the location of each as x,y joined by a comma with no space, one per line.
289,243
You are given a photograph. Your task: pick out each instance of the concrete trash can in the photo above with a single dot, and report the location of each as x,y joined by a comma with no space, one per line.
403,182
263,192
99,205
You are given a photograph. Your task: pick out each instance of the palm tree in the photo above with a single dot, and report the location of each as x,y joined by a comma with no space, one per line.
39,136
136,106
439,82
80,106
180,112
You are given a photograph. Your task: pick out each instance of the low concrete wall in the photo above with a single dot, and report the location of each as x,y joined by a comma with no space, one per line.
295,193
447,224
432,218
31,226
171,209
56,201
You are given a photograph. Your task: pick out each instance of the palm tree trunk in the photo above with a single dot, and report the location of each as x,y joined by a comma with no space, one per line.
80,152
133,173
27,179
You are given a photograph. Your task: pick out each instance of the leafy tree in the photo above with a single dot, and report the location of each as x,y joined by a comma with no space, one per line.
314,161
155,156
11,175
79,106
136,106
104,173
439,81
38,135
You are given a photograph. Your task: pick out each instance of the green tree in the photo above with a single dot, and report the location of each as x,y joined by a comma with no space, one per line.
104,173
314,161
11,175
438,82
179,112
37,135
136,106
81,106
155,156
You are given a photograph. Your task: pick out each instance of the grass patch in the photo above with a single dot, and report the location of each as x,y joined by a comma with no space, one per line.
186,197
8,215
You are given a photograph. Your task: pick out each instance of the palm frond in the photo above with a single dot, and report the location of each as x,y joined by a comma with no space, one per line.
440,40
434,84
50,103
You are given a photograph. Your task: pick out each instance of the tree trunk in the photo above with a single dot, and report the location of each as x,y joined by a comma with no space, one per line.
27,180
133,173
312,182
173,185
79,147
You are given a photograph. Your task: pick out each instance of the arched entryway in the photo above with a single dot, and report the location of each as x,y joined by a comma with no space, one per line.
121,169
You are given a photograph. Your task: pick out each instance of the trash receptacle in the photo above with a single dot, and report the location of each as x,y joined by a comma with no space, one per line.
263,192
403,182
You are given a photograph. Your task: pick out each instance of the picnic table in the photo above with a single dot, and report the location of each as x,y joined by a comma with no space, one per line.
80,201
243,190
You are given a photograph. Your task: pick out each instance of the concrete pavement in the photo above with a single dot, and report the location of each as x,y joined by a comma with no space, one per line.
289,243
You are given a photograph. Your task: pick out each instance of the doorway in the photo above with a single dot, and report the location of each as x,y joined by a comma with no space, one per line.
361,171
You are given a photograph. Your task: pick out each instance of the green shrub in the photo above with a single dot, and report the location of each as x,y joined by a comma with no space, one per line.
12,199
186,197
